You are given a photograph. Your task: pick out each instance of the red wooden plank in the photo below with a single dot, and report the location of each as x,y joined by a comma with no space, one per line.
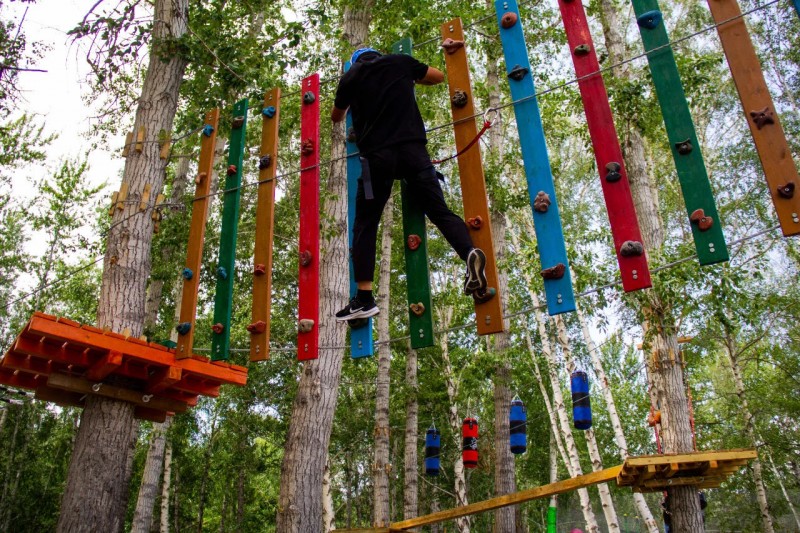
21,380
104,366
308,285
163,378
619,202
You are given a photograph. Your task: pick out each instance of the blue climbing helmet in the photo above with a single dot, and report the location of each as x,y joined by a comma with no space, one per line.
360,52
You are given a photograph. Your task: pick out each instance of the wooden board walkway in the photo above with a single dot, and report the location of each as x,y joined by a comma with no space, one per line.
644,474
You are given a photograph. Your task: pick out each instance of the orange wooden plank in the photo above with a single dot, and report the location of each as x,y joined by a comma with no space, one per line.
762,118
197,230
105,366
265,227
29,364
21,380
146,413
473,187
163,378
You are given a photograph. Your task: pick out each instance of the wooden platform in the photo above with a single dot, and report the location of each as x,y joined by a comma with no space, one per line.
63,360
647,473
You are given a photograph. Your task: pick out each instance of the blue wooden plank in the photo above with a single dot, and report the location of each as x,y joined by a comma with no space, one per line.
549,233
360,338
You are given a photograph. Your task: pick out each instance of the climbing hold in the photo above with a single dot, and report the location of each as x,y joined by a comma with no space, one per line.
508,20
542,202
518,72
582,50
613,174
451,45
413,242
264,162
260,269
351,135
217,328
200,178
307,148
357,323
237,122
654,418
257,327
418,308
763,117
649,20
469,449
482,296
232,170
684,147
459,98
187,273
475,223
786,191
222,272
268,112
631,249
304,325
581,404
432,449
208,129
309,97
305,258
703,222
517,425
183,328
554,272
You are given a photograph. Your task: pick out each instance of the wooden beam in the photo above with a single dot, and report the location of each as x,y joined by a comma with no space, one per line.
61,397
146,413
83,386
105,366
163,378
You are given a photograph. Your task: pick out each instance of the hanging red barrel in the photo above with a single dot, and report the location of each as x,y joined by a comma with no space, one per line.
469,432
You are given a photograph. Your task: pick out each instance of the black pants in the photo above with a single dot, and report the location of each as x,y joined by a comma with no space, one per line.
409,162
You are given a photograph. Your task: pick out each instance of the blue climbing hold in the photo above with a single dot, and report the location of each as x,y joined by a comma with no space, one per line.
222,273
187,273
208,129
649,20
268,112
183,328
517,426
432,448
581,405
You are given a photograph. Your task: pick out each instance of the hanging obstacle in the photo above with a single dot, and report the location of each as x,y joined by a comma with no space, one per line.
581,402
697,195
517,426
433,440
762,118
308,284
469,449
197,231
361,344
488,313
418,283
608,155
541,190
259,328
226,265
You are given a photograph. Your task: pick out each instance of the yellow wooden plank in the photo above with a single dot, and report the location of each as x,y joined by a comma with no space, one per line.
122,196
145,197
140,139
127,148
722,455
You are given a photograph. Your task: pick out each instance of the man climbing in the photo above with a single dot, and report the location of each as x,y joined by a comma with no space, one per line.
390,134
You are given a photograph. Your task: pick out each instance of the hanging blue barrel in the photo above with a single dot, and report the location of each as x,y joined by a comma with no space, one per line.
432,445
517,424
581,405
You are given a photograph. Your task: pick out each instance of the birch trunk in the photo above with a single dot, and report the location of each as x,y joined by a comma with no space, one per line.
411,460
328,513
145,503
783,490
613,415
300,500
96,491
381,464
165,488
665,369
553,470
750,430
610,512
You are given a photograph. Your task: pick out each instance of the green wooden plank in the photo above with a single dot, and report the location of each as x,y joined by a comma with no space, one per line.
692,174
223,299
418,284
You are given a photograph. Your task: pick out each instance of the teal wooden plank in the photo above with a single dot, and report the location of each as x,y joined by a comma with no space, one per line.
223,299
546,220
361,338
418,284
692,174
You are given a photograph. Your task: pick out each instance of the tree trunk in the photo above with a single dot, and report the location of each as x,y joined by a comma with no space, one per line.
665,368
381,464
553,507
300,501
783,490
750,430
613,415
410,461
165,488
145,503
328,513
96,491
240,499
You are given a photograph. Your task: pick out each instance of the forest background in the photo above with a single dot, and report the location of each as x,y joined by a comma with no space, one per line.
218,466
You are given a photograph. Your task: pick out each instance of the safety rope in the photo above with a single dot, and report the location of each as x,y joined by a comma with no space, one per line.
486,125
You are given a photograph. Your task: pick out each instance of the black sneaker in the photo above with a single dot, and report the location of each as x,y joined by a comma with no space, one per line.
475,278
357,309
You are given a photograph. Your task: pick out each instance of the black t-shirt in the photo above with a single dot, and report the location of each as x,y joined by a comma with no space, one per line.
380,94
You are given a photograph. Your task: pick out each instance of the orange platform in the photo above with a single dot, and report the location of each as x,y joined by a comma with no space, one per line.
63,361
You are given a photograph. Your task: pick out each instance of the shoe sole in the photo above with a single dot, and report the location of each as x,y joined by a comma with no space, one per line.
476,271
359,314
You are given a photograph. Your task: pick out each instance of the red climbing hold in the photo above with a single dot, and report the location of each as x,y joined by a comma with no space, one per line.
257,327
413,242
451,46
218,328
